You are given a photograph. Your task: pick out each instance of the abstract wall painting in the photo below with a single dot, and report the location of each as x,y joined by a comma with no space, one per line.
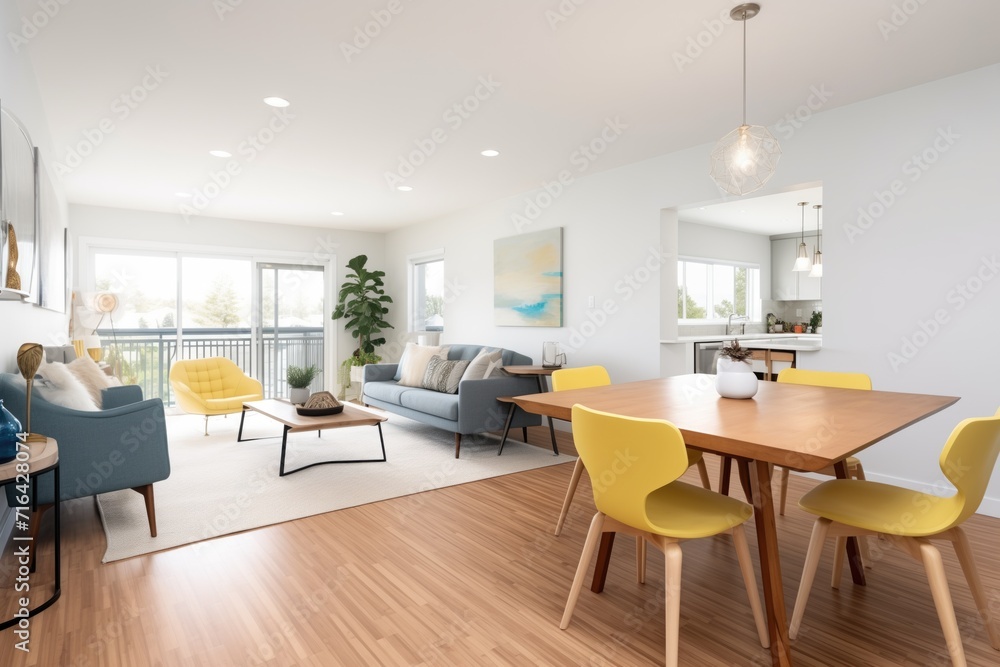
527,279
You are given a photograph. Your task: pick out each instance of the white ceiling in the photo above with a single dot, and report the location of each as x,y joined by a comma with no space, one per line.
770,214
352,120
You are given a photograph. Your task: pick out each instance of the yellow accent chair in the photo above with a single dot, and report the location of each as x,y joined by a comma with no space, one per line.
597,376
634,465
213,386
910,520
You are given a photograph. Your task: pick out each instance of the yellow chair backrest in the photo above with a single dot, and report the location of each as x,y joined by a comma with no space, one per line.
214,377
825,379
580,378
627,458
967,460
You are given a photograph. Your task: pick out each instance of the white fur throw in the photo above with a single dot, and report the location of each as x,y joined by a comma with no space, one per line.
90,376
57,384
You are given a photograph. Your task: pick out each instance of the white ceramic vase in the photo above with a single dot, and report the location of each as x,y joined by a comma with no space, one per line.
298,396
735,379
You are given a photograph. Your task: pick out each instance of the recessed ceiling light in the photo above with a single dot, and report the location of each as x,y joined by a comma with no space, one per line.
276,101
490,153
336,213
183,195
220,153
404,188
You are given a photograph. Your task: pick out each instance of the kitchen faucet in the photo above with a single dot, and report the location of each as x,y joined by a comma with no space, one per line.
741,320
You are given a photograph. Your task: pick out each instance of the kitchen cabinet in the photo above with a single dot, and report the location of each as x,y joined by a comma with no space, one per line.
788,285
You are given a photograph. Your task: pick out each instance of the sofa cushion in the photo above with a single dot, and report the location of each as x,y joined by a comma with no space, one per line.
432,403
90,376
390,392
57,385
488,364
444,376
413,364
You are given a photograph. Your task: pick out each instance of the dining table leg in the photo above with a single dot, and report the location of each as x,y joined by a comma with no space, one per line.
853,549
603,560
770,565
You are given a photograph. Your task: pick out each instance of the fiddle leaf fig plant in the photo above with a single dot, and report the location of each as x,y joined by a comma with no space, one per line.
362,302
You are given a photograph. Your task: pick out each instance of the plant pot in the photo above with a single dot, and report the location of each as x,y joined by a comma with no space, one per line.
298,396
735,379
357,373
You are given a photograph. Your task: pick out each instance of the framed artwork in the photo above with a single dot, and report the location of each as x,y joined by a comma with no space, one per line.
52,285
527,279
19,226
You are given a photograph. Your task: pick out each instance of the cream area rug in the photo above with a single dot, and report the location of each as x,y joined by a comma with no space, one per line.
218,486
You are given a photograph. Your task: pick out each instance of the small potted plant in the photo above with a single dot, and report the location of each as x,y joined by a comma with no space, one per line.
816,322
299,378
734,376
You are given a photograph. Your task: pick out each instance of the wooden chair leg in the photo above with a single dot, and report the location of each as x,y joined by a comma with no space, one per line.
524,433
746,567
819,531
573,481
964,553
725,469
640,560
147,493
672,585
458,443
593,537
784,491
838,561
703,471
942,601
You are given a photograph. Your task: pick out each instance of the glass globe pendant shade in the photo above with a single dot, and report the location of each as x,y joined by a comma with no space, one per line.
745,159
817,265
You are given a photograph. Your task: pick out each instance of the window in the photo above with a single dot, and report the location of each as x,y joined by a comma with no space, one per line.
427,292
709,290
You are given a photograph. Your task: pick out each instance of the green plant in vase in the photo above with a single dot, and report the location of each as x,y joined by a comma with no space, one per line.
299,378
362,302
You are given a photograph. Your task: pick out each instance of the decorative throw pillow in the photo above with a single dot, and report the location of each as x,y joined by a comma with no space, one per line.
488,363
57,384
413,365
90,376
443,375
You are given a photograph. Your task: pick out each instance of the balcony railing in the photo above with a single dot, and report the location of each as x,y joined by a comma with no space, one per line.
144,356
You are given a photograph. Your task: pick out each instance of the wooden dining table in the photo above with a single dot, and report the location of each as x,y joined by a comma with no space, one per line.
803,428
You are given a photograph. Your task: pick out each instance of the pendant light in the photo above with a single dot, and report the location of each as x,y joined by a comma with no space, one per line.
817,267
745,159
802,262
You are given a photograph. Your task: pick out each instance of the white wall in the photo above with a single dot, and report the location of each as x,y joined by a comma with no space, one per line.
704,241
296,244
934,236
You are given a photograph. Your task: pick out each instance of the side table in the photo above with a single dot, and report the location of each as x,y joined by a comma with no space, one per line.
540,373
43,457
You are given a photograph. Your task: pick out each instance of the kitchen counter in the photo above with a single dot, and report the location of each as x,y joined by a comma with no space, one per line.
759,341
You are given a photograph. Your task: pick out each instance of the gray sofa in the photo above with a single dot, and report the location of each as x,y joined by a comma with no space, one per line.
474,409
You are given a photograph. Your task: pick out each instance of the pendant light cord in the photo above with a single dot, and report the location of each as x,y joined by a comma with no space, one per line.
744,67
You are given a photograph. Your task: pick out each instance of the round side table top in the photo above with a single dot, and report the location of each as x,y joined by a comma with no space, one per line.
531,370
41,455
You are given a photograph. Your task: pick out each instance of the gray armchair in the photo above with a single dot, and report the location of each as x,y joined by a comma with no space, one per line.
123,446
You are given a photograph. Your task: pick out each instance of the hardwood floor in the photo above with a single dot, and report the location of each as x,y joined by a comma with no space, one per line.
467,575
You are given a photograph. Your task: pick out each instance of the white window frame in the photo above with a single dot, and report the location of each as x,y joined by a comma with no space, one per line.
753,291
413,299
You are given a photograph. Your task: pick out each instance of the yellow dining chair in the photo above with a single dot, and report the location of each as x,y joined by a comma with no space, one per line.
633,466
910,520
597,376
213,386
826,379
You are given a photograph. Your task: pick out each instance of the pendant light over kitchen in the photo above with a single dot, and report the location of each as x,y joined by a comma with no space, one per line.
745,159
817,266
802,262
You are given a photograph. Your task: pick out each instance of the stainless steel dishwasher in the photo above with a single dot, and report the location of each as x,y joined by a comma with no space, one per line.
706,355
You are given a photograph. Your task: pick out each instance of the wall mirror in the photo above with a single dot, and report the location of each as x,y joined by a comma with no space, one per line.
18,206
